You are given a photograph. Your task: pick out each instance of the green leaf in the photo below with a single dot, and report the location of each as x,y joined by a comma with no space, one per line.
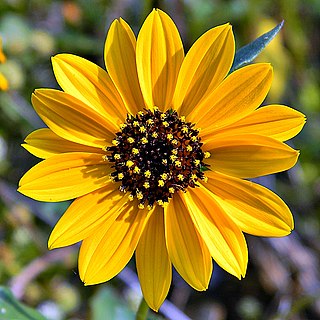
106,305
249,52
11,308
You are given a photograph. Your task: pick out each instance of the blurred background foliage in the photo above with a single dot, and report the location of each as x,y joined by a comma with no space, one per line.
282,281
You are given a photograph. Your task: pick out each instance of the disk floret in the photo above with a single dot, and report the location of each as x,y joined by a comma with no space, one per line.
156,154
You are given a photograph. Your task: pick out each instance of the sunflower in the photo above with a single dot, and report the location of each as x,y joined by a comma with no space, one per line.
3,80
156,152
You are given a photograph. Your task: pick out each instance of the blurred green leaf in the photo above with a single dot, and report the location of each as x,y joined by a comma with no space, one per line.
249,52
12,309
106,305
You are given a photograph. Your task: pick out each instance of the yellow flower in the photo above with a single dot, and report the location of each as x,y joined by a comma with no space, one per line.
198,214
3,80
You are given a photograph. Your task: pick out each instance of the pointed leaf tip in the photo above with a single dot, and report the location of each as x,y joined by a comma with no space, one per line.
250,51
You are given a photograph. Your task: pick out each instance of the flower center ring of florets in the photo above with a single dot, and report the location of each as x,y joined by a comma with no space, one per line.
156,154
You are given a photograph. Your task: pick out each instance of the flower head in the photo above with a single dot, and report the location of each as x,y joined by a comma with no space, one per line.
127,145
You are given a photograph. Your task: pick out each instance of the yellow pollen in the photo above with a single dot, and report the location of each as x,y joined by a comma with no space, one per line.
141,206
174,151
117,156
169,136
185,129
205,179
183,119
160,202
129,163
194,177
105,148
162,116
147,174
165,123
196,162
142,129
120,176
130,140
149,207
164,161
173,157
177,163
174,141
164,176
105,158
115,142
207,155
136,169
189,148
144,140
139,195
135,150
180,177
171,190
194,138
150,121
154,135
146,185
122,126
140,113
160,183
135,123
131,197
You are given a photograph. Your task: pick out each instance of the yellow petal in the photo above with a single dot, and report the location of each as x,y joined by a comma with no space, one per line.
107,251
65,176
237,96
120,60
152,260
275,121
187,251
159,57
255,209
249,155
205,66
71,119
85,214
44,143
90,84
224,239
2,55
3,83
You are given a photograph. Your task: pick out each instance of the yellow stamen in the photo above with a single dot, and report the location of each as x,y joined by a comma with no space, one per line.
180,177
177,163
169,136
147,174
189,148
129,163
130,140
144,140
117,156
164,176
146,185
142,129
154,135
120,176
160,183
115,142
136,169
135,150
141,206
171,190
207,155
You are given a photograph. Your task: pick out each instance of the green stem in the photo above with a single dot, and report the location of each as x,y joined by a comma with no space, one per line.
142,312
